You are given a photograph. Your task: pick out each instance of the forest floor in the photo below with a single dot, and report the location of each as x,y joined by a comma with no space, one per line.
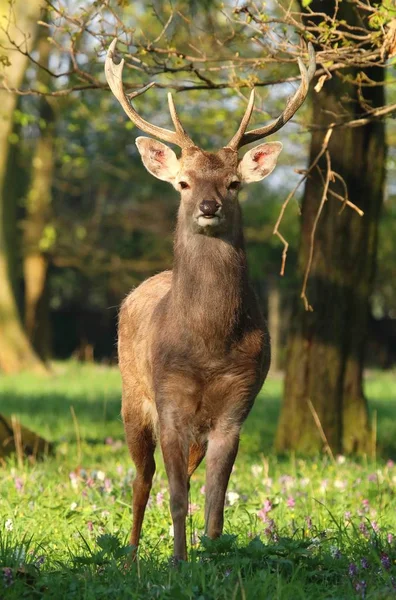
294,528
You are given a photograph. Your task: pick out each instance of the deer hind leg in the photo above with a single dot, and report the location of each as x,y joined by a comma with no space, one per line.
141,442
221,454
195,456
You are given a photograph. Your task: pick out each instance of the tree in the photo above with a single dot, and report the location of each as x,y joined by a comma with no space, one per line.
15,350
36,229
323,386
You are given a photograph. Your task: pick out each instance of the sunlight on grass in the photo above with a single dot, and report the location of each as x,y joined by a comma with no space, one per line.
294,528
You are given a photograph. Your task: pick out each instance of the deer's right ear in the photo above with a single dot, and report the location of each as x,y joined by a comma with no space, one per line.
158,159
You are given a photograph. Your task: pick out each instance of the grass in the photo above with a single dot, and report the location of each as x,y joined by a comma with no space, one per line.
294,528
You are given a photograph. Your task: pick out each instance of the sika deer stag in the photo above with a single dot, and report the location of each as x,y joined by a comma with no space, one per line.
193,347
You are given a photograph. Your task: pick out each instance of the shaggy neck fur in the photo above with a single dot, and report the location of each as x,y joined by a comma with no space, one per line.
209,283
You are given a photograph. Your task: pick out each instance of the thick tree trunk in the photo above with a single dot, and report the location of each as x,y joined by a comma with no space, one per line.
15,350
326,346
38,206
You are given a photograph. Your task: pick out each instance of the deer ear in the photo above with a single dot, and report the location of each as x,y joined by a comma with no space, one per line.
259,162
158,159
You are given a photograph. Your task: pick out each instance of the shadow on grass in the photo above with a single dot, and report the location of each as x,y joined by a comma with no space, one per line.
94,392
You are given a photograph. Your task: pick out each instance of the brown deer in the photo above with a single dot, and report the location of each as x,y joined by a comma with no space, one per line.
193,347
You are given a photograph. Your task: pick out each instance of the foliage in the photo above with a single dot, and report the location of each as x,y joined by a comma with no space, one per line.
294,528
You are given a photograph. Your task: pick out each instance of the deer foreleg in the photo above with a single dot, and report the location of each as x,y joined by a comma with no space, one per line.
175,452
220,457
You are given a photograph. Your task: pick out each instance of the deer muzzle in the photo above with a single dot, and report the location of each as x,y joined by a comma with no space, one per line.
209,213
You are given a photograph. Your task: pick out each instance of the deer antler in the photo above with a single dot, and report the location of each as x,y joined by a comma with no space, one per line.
293,104
114,79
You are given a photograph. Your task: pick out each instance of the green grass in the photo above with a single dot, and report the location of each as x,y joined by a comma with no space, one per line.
294,528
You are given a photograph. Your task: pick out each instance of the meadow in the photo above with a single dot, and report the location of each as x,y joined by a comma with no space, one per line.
295,528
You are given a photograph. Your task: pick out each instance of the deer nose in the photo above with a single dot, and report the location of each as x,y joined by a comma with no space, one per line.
209,207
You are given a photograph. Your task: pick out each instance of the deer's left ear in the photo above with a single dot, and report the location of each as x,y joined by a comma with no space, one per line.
259,162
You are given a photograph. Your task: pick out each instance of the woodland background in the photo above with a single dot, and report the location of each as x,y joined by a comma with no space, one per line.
82,222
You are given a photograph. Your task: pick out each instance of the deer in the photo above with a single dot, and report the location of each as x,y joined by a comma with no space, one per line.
193,346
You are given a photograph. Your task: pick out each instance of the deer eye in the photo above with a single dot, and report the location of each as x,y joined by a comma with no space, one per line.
184,185
234,185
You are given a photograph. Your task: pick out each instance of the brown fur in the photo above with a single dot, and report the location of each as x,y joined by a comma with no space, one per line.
194,352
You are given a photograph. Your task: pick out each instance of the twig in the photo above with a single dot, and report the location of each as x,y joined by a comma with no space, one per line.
374,436
314,226
16,429
77,432
276,231
320,429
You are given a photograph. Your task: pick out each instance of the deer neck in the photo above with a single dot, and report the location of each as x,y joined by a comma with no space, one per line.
209,285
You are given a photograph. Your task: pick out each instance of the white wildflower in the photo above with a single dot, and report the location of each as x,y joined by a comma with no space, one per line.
101,475
340,485
9,526
257,470
232,497
73,506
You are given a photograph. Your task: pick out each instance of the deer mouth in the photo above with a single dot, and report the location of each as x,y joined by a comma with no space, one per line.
208,220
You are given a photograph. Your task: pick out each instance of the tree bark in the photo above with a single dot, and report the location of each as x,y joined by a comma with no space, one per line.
16,352
38,206
326,347
274,322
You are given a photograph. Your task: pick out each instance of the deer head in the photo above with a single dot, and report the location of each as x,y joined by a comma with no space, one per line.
207,181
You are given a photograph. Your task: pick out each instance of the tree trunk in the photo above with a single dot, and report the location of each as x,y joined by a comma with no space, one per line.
15,350
326,346
38,206
274,322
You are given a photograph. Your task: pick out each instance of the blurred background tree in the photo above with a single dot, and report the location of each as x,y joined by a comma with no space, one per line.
90,223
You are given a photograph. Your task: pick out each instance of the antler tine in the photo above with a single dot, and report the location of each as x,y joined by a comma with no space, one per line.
244,123
113,74
292,105
175,117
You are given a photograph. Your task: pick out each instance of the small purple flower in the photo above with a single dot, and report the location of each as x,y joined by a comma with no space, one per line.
40,560
365,563
290,502
267,507
109,441
352,570
192,508
108,485
390,464
18,484
373,477
202,490
375,526
348,515
308,521
270,529
335,552
90,526
160,498
363,528
360,586
7,576
385,561
286,481
390,538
